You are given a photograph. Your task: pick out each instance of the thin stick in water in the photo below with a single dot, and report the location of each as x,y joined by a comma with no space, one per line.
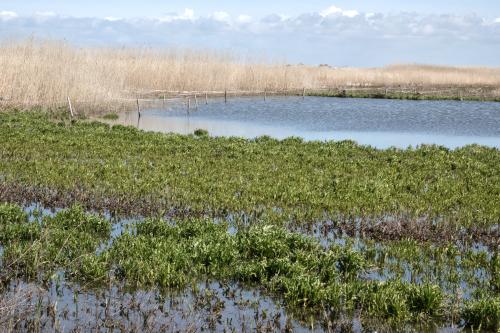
138,108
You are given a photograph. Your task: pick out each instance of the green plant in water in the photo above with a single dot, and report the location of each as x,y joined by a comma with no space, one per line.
66,241
483,314
15,226
426,299
423,198
200,132
110,116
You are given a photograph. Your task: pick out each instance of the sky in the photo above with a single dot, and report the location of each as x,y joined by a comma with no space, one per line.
339,33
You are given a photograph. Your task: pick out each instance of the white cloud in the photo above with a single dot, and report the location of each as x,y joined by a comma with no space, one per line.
221,16
187,15
244,19
334,10
8,15
350,13
327,34
331,22
112,18
428,29
46,14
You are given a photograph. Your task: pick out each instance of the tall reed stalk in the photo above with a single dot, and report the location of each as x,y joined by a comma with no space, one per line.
45,73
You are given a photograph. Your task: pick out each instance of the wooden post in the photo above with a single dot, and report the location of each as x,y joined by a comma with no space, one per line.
225,96
189,105
196,101
138,108
163,100
206,98
265,94
70,108
304,93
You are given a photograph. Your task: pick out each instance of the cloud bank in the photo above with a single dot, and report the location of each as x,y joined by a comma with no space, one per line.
333,35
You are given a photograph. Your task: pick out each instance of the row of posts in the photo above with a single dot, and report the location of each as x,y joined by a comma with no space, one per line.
72,113
225,98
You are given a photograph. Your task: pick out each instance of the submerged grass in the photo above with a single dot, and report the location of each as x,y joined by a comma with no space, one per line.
429,192
293,267
110,116
37,249
415,231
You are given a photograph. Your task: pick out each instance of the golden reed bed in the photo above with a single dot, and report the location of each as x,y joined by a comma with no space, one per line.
45,73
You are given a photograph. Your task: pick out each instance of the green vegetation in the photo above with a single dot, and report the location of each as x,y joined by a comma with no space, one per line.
38,248
176,254
110,116
484,313
124,169
408,95
201,132
331,229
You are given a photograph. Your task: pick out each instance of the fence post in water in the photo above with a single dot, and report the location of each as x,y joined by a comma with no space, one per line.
265,94
206,98
304,93
138,108
163,100
225,96
189,105
196,101
70,108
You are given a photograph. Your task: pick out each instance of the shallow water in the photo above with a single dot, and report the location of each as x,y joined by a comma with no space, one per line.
67,307
209,305
377,122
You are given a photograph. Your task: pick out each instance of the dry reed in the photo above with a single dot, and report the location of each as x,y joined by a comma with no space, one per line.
45,73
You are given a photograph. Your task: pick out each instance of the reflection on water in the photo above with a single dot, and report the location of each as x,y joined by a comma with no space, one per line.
380,123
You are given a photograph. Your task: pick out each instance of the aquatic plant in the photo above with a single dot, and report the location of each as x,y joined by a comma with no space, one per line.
425,193
201,132
176,254
110,116
483,314
331,229
37,249
14,225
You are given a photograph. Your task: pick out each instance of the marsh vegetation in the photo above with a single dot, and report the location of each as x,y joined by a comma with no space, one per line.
98,80
149,231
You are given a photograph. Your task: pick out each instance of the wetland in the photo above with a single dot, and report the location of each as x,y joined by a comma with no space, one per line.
110,227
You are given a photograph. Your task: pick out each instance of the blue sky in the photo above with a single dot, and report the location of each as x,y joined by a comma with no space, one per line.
340,33
127,8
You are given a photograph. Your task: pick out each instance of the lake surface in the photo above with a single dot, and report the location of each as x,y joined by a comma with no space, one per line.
376,122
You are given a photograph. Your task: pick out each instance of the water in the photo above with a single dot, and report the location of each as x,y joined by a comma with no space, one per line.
377,122
210,305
